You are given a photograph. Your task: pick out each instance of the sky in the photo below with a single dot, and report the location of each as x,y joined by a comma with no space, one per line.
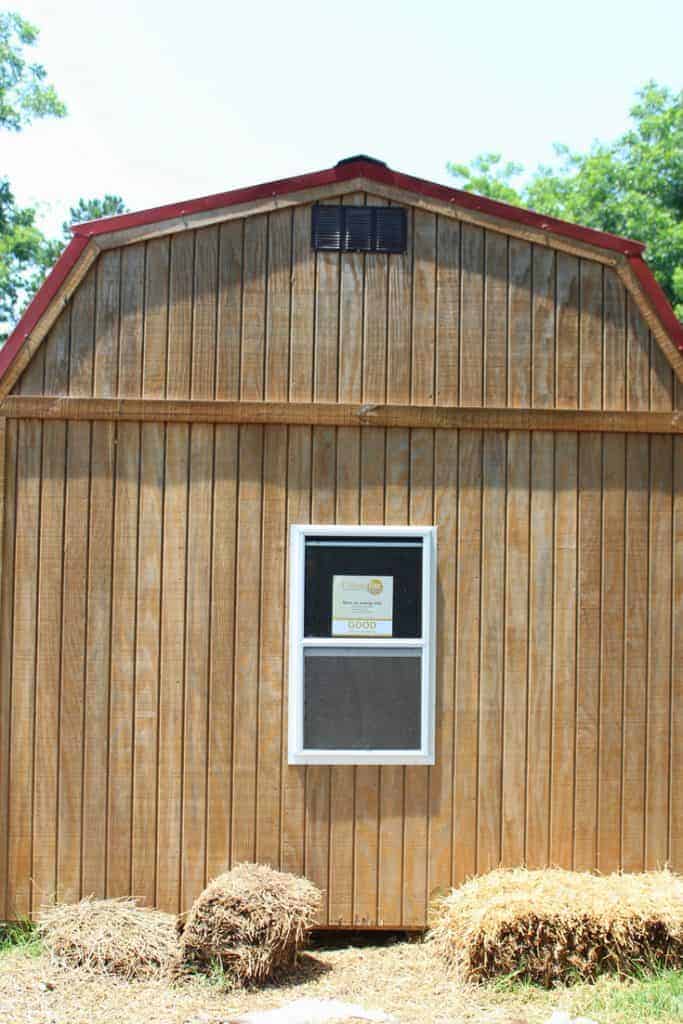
171,100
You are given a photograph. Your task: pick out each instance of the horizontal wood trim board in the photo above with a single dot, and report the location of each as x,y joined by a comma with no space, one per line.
337,414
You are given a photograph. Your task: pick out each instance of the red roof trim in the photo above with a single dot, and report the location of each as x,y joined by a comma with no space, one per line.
361,168
42,299
652,288
374,172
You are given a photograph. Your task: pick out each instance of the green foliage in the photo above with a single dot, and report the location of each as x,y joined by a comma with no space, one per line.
653,997
632,186
25,253
19,935
24,92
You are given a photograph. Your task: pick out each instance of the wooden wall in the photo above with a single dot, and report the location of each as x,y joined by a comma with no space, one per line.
143,614
143,640
247,310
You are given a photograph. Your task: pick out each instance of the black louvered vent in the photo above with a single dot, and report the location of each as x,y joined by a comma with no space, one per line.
359,228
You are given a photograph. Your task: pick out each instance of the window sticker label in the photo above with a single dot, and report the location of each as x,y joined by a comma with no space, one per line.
362,605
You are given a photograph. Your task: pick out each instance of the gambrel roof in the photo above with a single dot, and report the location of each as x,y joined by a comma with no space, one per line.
355,173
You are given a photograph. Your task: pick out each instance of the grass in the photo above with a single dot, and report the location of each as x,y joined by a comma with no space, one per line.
15,935
657,997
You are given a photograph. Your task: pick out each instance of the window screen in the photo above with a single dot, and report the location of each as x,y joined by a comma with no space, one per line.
361,645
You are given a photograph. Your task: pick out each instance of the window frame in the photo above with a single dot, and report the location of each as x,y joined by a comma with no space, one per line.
298,643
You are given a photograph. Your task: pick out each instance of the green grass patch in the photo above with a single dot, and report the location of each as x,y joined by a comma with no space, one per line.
654,997
15,935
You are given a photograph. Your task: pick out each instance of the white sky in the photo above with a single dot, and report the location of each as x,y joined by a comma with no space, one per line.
171,100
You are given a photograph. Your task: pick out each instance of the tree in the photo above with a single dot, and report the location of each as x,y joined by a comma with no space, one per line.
632,186
25,253
24,95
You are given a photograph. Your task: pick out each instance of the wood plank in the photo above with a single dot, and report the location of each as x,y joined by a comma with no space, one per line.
614,342
467,655
8,478
204,314
156,315
180,302
590,335
147,665
447,313
424,308
588,650
491,690
375,324
441,775
107,303
172,680
49,638
520,306
367,780
326,342
392,777
301,330
495,319
416,821
247,630
516,667
278,304
399,319
564,652
122,676
197,645
81,353
544,274
317,826
657,768
662,378
471,316
293,797
539,722
636,643
57,356
637,358
139,324
229,311
97,658
352,276
22,713
567,332
342,778
676,811
612,653
271,658
129,345
221,670
332,414
69,878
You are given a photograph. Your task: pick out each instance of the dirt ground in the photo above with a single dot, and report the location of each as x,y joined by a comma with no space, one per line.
402,978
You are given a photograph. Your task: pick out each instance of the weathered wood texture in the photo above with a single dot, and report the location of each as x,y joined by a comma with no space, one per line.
245,310
143,690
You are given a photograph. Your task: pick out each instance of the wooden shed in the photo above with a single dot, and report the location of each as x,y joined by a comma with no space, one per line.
194,380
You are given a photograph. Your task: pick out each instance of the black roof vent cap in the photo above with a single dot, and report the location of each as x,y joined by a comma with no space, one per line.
360,156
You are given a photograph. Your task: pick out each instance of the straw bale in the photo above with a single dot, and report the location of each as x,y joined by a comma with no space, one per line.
554,926
253,920
110,937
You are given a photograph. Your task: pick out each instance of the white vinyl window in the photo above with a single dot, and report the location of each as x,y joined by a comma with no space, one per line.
362,644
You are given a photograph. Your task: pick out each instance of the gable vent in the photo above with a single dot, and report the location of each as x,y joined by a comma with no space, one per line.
359,229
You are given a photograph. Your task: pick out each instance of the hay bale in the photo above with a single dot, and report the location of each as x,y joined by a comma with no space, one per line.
556,926
253,920
110,937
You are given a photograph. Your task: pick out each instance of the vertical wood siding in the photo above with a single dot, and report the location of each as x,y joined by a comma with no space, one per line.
246,310
144,644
